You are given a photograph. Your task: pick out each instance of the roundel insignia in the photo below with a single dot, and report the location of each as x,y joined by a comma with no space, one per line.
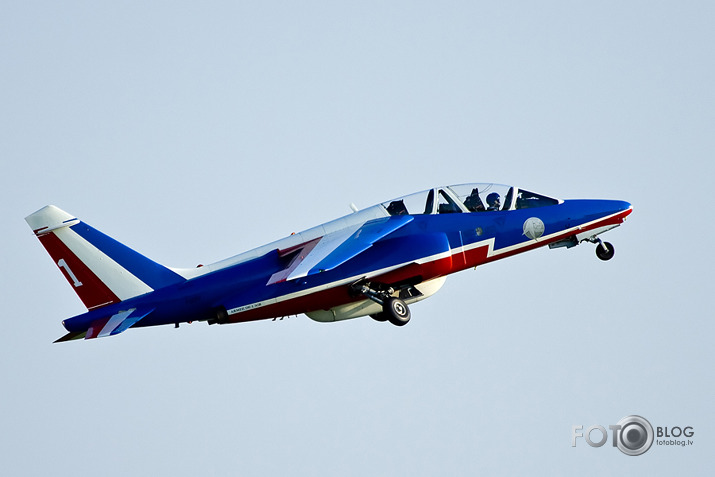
533,228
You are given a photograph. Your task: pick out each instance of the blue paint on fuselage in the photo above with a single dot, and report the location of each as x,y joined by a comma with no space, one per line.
427,235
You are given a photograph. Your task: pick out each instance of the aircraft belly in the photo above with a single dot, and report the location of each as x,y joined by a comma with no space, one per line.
389,261
332,297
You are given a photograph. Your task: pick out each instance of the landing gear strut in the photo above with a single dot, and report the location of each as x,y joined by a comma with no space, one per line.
394,310
604,250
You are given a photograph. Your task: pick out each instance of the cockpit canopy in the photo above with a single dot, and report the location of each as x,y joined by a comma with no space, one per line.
467,198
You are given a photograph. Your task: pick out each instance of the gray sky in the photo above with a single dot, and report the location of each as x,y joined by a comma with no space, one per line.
193,132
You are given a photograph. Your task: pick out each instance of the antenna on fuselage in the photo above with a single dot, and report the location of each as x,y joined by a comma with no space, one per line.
353,207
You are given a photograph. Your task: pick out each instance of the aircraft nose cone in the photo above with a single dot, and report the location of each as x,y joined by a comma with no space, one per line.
612,207
622,205
615,208
588,210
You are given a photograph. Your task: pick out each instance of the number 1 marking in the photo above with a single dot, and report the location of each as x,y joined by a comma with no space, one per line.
62,264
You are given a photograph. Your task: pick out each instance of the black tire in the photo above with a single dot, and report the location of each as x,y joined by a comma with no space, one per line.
605,251
382,316
397,311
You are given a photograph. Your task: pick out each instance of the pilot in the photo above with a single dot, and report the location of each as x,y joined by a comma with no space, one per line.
493,201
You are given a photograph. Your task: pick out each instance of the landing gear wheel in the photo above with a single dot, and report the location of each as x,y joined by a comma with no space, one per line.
397,311
382,316
605,251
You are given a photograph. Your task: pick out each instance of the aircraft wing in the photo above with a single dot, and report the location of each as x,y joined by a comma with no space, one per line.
334,249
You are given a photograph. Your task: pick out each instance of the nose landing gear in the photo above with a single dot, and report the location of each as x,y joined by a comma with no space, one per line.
604,250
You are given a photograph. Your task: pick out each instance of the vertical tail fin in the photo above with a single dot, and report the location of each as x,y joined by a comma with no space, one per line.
101,270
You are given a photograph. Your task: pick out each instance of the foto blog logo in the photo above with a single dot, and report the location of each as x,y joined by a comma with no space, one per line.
633,435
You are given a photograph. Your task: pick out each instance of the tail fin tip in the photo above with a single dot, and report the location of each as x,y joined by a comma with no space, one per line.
49,218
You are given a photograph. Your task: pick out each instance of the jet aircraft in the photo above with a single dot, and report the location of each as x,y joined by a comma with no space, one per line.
374,262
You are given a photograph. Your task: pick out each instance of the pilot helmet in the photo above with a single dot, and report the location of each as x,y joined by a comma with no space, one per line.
493,199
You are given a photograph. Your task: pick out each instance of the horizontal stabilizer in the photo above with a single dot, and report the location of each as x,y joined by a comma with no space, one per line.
115,324
72,335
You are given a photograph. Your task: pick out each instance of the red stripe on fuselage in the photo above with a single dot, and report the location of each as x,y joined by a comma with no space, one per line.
90,289
613,220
